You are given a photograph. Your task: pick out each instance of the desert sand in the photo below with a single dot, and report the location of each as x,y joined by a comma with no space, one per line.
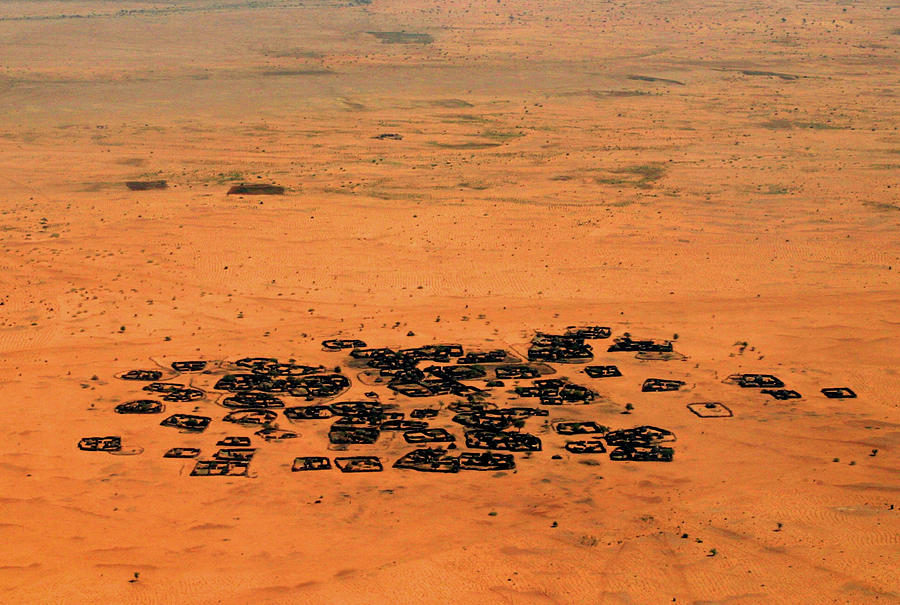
723,172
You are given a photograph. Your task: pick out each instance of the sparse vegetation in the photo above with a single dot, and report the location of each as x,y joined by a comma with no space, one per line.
655,79
502,135
402,37
774,74
777,190
640,175
466,145
883,206
588,540
784,124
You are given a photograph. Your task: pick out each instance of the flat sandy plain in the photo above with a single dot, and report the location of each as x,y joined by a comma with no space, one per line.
726,171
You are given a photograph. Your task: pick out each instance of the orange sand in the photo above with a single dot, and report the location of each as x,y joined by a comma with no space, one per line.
538,184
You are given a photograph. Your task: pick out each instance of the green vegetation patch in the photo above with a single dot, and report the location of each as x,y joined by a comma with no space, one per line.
351,105
463,118
782,124
641,176
466,145
293,53
619,93
776,189
450,103
501,135
226,177
297,72
402,37
883,206
647,172
603,94
655,79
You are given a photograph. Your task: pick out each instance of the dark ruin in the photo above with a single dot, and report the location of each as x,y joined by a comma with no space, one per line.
580,428
625,343
556,391
140,406
654,385
249,399
188,366
232,468
359,464
338,345
175,392
271,433
602,371
310,463
430,460
234,442
100,444
308,412
486,461
755,381
514,442
642,453
349,434
710,410
235,454
250,417
494,356
143,375
782,394
588,332
592,446
513,372
261,394
182,452
559,348
429,436
641,435
187,422
424,413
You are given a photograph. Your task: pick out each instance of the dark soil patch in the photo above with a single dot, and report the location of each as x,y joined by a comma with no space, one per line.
146,185
298,72
782,124
470,145
451,103
773,74
402,37
652,79
256,189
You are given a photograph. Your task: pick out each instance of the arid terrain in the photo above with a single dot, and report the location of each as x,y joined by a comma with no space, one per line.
722,174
